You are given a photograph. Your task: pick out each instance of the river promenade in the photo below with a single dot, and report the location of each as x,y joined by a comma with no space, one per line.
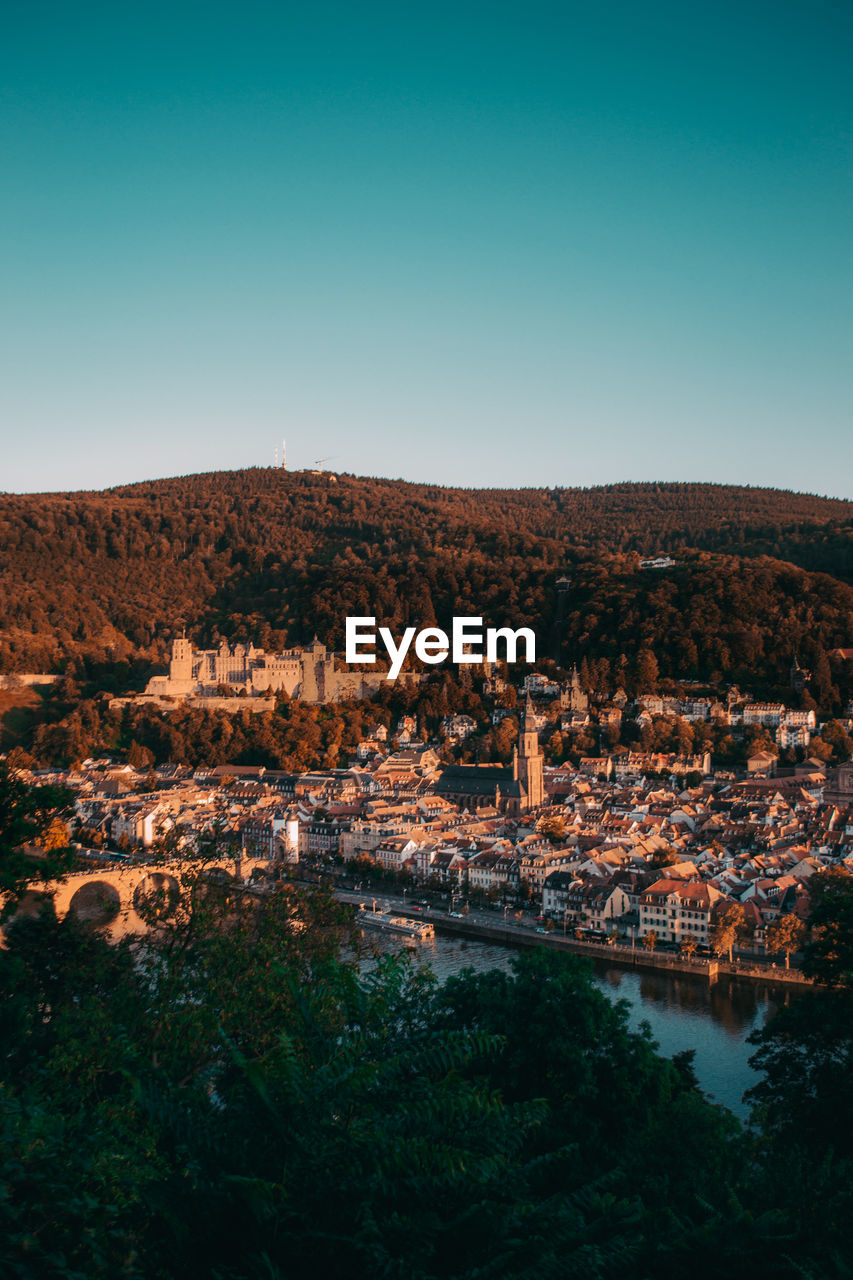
481,926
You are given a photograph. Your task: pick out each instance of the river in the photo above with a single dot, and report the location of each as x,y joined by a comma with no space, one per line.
683,1012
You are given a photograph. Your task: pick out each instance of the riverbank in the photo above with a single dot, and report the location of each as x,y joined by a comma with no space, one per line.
478,928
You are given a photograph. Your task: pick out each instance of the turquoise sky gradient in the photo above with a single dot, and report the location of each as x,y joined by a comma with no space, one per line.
478,244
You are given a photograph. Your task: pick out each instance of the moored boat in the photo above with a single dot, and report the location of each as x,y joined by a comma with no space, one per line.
396,924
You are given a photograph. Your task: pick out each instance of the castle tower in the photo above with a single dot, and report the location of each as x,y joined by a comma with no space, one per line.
528,761
222,663
181,666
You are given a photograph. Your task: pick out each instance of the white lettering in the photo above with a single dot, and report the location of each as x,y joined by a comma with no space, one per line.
511,638
354,638
394,653
461,637
432,645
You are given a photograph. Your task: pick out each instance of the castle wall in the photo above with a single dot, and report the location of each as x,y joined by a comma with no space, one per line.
308,674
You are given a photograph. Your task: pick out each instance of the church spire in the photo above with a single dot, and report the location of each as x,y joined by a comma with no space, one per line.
528,714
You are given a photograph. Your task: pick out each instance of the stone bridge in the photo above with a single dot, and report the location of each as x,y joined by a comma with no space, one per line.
111,896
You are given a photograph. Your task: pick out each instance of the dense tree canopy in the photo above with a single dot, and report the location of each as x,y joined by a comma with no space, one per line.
276,557
829,953
32,846
97,585
244,1104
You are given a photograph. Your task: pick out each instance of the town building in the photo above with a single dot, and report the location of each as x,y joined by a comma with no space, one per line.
674,910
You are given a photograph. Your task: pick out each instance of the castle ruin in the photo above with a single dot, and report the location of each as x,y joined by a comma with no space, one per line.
309,674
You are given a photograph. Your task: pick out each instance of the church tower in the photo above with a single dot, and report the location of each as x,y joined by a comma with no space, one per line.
527,764
573,698
798,677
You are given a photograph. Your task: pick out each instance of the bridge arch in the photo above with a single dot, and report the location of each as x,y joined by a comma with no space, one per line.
29,907
108,897
219,876
156,895
96,901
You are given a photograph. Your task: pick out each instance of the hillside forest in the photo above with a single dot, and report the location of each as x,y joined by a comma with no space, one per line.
95,585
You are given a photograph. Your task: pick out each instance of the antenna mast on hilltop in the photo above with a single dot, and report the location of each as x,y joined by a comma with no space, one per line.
283,457
275,457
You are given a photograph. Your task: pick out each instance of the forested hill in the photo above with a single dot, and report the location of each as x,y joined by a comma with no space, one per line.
280,556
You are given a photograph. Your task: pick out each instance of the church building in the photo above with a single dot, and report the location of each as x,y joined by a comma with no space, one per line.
514,790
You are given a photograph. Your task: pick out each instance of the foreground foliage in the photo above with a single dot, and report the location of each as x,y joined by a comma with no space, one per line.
30,848
232,1100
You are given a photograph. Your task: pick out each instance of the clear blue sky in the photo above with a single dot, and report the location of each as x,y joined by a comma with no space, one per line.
469,243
